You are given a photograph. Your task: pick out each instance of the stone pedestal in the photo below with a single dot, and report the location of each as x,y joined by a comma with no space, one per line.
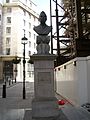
44,103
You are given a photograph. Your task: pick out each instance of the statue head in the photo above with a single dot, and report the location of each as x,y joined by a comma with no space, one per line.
42,17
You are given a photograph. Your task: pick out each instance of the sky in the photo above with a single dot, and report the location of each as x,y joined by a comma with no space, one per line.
43,5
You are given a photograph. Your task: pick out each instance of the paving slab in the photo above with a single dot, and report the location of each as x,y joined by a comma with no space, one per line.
75,113
28,116
11,114
66,113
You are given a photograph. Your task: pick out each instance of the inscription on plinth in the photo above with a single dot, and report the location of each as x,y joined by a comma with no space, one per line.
44,77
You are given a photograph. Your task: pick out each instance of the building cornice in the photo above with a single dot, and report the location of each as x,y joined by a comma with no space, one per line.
23,6
6,57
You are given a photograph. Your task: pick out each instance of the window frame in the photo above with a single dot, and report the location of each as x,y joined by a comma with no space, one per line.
8,20
8,40
7,51
9,9
8,31
7,1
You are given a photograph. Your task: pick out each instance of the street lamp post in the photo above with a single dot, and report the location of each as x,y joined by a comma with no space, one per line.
16,61
24,42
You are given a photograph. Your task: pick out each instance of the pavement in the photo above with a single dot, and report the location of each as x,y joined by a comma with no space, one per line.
14,107
8,84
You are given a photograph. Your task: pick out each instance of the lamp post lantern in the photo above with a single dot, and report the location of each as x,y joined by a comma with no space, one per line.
24,42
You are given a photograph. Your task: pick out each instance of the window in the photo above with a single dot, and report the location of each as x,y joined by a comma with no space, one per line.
8,19
30,4
30,16
24,22
8,40
34,45
23,31
9,10
34,18
0,17
7,1
34,36
7,51
8,30
31,73
29,43
29,34
24,12
29,25
29,53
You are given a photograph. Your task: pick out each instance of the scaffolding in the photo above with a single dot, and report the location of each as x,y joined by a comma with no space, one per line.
70,35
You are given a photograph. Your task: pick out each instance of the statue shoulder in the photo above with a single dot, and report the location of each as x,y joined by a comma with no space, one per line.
49,27
44,30
37,28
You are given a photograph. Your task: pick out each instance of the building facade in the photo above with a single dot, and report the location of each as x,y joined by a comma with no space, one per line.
0,28
0,40
18,18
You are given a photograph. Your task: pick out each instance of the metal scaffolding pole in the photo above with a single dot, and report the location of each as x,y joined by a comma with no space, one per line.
79,18
57,30
51,27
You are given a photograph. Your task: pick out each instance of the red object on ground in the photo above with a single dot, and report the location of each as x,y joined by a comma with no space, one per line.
61,102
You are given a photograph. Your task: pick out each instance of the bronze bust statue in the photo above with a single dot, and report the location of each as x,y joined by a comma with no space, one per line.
42,29
42,39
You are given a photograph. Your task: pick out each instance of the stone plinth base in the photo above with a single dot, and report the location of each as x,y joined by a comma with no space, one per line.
44,103
45,108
